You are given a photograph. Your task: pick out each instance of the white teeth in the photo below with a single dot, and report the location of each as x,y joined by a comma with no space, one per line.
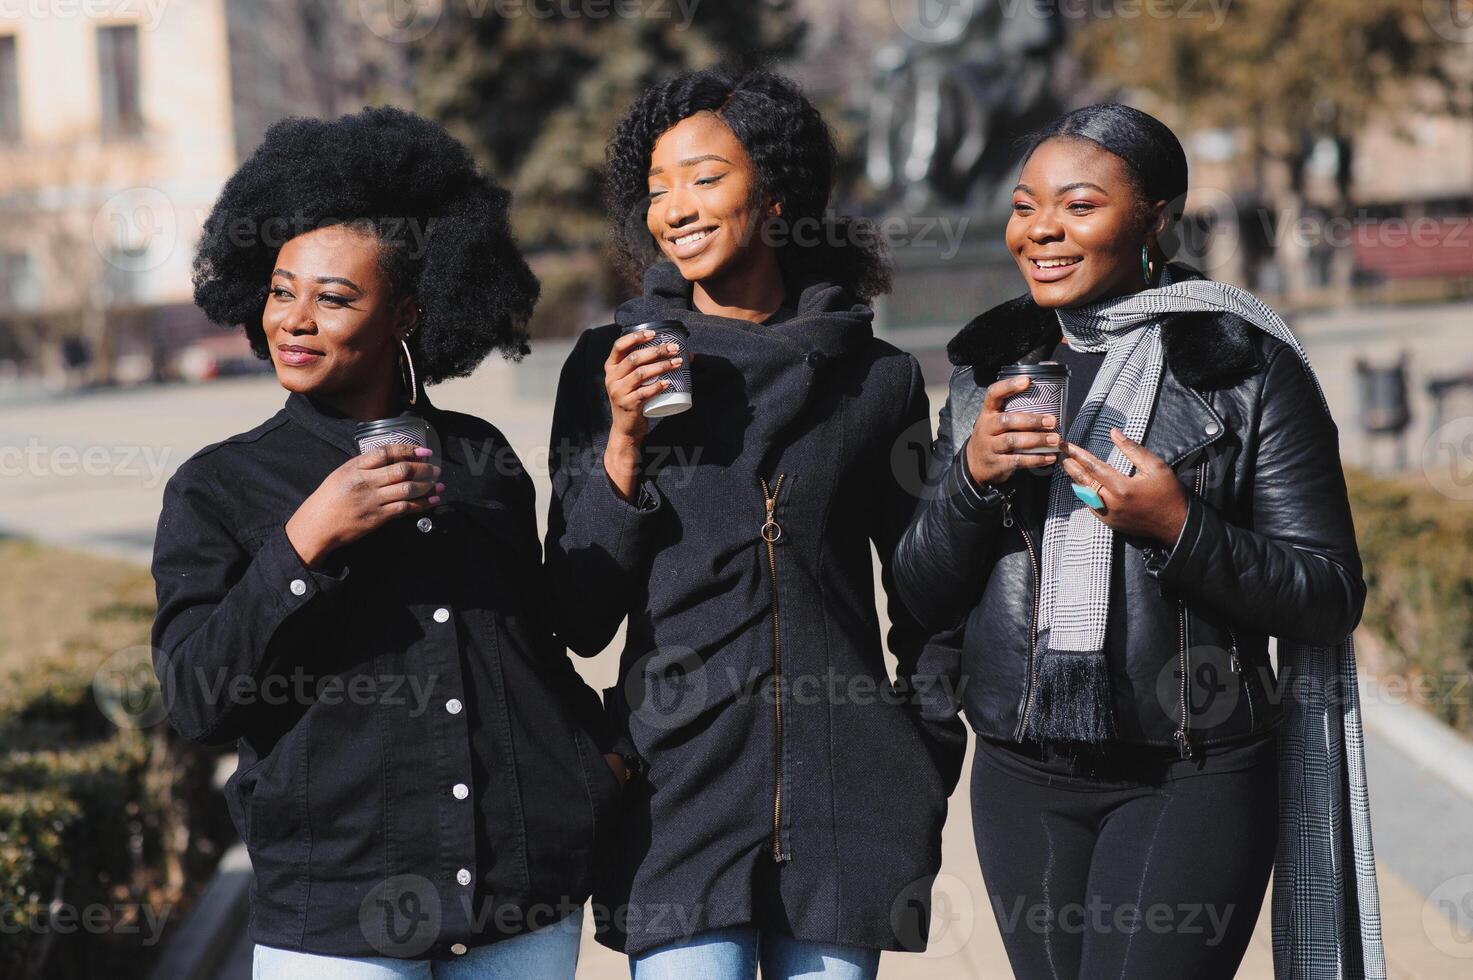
694,236
1053,263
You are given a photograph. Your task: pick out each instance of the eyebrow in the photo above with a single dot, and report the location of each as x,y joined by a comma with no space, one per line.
1076,185
324,280
691,162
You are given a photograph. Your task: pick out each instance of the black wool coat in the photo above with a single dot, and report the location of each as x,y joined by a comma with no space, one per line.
790,782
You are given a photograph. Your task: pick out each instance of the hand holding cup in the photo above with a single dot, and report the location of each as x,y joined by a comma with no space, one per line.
362,495
994,449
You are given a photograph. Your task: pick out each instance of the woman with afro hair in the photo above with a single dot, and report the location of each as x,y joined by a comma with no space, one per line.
420,784
787,794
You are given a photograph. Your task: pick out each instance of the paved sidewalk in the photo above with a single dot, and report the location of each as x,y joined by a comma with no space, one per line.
92,474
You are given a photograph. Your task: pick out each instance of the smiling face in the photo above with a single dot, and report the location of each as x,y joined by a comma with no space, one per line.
1078,224
331,321
703,210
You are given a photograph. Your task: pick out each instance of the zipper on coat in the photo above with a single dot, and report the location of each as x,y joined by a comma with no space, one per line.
771,531
1237,667
1009,521
1183,738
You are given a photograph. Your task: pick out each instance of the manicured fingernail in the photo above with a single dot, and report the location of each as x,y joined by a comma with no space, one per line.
435,470
439,488
424,451
435,499
677,361
1049,421
1052,440
673,348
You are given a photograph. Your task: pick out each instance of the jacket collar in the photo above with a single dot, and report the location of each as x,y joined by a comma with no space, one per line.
826,318
1202,350
333,427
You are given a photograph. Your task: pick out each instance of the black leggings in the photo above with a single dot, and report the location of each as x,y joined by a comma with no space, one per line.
1092,878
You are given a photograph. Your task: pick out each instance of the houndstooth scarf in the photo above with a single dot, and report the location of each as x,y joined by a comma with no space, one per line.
1326,912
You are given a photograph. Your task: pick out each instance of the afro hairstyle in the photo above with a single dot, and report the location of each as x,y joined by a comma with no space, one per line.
443,224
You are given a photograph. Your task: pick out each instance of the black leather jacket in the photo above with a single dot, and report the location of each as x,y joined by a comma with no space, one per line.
1268,548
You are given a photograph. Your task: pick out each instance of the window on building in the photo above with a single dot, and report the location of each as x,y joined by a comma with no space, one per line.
118,78
9,92
18,284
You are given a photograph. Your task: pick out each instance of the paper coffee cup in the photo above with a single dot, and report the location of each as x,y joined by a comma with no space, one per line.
1047,394
676,398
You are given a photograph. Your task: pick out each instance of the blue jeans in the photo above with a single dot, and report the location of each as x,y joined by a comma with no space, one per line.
733,954
550,952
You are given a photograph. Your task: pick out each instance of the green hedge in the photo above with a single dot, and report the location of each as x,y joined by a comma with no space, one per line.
104,830
1417,548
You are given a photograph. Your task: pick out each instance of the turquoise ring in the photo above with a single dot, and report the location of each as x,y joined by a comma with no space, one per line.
1088,496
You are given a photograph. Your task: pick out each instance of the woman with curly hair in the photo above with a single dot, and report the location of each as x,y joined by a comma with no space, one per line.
419,782
789,796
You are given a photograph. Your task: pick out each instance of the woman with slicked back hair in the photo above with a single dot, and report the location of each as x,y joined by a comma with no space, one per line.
1117,577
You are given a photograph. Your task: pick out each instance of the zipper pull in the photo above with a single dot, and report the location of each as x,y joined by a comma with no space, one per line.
1007,512
1183,744
1233,661
771,530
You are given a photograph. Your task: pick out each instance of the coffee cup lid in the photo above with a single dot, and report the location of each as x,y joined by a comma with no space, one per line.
668,326
1041,369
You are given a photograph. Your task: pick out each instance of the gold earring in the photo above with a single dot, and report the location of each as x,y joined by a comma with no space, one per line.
411,382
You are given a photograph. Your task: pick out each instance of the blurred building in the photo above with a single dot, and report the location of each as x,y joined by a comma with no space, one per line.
116,133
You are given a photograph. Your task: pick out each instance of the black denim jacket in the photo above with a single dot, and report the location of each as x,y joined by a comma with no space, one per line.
420,764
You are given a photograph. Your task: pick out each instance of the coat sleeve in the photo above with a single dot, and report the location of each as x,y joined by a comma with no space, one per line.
581,700
226,614
1296,574
941,559
928,663
596,540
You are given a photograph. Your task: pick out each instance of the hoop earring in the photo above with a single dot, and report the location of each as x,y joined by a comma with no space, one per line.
411,381
1148,268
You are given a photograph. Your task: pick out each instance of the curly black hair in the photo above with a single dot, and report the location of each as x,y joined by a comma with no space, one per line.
793,151
443,224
